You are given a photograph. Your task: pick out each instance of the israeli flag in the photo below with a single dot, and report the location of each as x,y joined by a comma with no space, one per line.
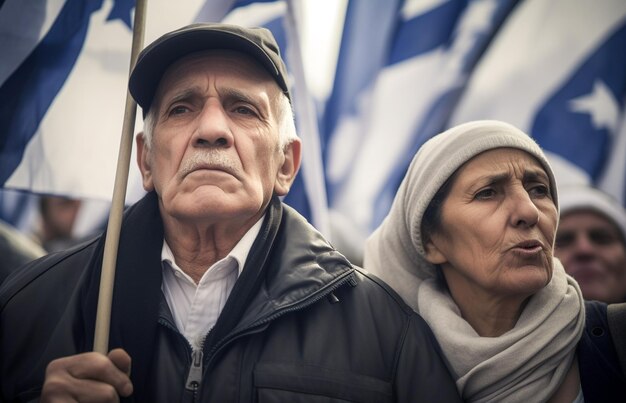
63,84
557,70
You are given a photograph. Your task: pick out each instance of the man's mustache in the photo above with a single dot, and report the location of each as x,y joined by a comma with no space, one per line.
209,160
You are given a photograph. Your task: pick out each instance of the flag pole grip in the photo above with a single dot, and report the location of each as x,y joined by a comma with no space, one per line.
107,276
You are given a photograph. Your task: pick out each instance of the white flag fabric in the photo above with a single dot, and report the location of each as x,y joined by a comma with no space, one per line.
556,69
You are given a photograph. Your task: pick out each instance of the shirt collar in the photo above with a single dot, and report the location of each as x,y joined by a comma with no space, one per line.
239,253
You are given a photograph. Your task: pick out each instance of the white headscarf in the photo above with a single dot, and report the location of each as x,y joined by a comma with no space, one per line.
529,361
583,197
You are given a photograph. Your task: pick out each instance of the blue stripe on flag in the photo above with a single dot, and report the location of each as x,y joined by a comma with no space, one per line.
244,3
35,84
426,31
365,43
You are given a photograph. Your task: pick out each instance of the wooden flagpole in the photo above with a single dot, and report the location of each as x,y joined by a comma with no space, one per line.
107,277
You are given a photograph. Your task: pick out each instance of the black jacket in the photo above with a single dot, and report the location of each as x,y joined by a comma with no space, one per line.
301,323
601,376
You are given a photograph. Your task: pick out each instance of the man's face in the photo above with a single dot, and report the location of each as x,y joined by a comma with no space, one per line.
215,152
593,252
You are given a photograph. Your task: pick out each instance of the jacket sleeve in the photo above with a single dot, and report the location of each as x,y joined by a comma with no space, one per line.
422,375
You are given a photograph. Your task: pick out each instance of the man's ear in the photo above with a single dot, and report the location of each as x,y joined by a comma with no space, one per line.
433,254
288,170
143,161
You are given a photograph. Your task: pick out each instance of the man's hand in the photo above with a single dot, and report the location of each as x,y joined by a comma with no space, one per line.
88,377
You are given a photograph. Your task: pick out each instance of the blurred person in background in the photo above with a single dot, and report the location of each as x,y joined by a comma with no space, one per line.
58,216
591,242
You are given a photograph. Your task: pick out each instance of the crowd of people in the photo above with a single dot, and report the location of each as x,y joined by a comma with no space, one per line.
486,282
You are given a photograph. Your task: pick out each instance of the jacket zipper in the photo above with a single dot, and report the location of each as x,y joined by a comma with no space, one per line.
194,376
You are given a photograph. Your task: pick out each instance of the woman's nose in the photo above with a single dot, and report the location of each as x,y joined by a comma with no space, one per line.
524,211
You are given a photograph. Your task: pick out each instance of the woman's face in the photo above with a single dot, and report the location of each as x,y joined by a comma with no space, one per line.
497,227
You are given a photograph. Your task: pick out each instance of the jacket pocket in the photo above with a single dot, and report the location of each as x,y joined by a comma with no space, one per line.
288,382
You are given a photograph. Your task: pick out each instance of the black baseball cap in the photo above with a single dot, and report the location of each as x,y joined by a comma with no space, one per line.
153,61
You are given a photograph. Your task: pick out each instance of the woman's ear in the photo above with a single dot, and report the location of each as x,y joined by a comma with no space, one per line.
433,254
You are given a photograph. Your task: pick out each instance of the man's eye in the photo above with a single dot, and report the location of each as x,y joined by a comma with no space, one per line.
244,110
178,109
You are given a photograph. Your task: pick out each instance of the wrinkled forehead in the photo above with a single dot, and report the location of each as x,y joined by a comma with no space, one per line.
503,161
503,156
250,75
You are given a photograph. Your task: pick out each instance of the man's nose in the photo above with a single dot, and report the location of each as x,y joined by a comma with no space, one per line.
213,128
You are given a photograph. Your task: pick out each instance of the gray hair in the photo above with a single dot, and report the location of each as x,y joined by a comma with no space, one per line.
285,116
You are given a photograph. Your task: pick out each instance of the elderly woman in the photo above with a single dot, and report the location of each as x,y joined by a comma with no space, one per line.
468,244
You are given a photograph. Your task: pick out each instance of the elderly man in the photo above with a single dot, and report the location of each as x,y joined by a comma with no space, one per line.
222,293
591,242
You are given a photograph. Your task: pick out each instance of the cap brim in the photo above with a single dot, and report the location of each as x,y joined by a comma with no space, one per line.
156,58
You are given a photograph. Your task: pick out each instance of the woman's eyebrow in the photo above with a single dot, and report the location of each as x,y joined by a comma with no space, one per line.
533,175
494,179
529,175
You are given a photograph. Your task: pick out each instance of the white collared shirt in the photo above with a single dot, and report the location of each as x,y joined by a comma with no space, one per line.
195,308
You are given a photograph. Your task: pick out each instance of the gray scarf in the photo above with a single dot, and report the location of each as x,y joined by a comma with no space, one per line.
526,364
